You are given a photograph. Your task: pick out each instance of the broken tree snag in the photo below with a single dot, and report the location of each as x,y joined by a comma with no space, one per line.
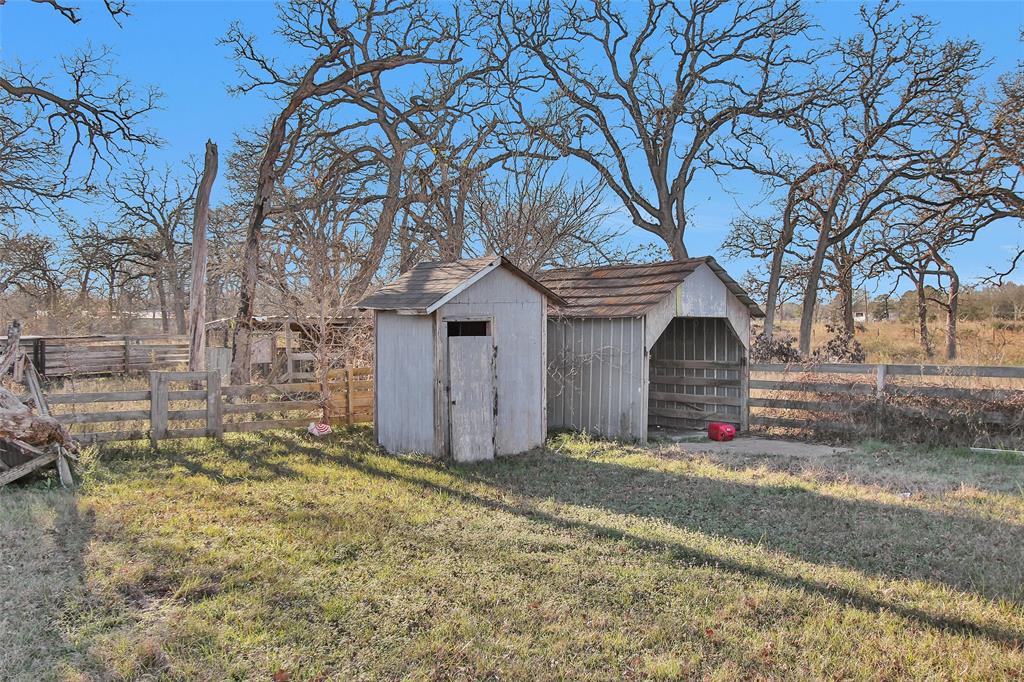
197,294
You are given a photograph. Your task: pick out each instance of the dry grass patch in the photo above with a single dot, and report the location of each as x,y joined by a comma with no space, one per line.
328,560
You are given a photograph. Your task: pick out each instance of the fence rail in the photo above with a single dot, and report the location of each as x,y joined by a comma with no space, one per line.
173,407
861,397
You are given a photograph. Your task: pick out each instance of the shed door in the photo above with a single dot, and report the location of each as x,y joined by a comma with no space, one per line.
471,417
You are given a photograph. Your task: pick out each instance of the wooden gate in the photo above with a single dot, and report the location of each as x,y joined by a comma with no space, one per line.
159,414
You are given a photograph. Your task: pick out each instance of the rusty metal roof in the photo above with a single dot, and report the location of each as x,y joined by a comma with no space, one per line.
629,290
428,286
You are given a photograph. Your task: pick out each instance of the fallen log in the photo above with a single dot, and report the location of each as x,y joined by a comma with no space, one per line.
18,423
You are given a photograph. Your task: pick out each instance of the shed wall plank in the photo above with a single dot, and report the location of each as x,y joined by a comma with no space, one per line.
702,294
404,388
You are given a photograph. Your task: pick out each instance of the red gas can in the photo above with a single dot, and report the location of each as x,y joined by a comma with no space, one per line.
721,431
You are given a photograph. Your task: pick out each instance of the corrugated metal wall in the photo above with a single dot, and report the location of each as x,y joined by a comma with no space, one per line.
596,376
703,339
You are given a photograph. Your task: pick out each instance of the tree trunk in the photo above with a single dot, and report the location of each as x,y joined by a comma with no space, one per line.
952,309
177,290
197,294
111,291
775,271
676,247
846,301
771,301
161,294
922,318
811,291
382,234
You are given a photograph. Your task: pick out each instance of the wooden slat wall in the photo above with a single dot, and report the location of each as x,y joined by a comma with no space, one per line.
96,355
695,374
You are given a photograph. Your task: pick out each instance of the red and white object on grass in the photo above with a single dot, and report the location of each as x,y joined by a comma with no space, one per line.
721,431
320,429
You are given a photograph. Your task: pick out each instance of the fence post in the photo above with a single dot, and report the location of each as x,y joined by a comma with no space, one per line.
744,392
158,404
348,396
127,355
880,372
214,409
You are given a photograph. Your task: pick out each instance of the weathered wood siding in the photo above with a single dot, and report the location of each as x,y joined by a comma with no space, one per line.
473,397
702,294
714,390
517,312
596,376
404,418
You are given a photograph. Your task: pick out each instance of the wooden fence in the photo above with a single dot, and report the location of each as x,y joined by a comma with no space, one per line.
65,356
193,404
848,397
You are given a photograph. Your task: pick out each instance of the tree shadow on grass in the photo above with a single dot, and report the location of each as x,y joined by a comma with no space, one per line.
890,541
195,456
965,552
679,552
43,545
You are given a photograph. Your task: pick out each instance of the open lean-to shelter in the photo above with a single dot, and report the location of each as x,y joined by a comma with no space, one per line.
653,346
460,360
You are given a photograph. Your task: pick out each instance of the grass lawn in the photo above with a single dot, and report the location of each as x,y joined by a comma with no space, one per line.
273,556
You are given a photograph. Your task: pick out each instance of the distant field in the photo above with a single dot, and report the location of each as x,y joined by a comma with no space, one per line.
981,343
274,556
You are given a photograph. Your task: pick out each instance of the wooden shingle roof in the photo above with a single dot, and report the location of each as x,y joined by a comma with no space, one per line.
428,286
629,290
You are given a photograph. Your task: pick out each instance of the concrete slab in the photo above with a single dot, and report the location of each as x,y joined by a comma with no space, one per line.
752,445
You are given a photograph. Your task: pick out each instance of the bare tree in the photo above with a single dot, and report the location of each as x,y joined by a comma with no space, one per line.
108,258
26,263
58,131
349,62
157,204
537,221
882,125
313,256
643,96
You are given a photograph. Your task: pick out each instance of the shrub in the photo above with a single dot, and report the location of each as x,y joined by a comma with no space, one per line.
840,347
766,349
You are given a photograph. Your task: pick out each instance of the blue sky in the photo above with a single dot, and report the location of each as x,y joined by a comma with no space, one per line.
173,44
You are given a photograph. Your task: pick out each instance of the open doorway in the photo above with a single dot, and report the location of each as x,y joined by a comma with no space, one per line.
696,376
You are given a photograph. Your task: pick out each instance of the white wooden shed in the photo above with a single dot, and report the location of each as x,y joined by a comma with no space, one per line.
460,360
652,346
